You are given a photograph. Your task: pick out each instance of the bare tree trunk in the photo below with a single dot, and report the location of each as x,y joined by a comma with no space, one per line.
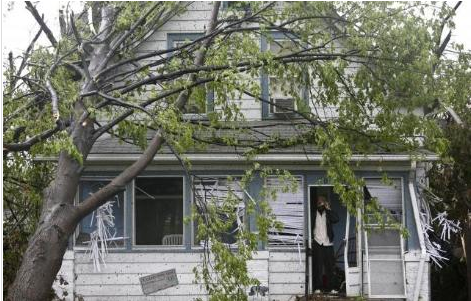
43,257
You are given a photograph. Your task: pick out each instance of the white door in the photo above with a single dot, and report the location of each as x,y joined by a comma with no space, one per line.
384,247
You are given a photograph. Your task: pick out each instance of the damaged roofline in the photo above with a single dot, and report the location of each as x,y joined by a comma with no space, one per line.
93,158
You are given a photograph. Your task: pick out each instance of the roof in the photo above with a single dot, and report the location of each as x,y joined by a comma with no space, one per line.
252,133
109,148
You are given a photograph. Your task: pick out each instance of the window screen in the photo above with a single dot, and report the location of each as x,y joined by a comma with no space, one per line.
158,211
88,224
216,190
288,207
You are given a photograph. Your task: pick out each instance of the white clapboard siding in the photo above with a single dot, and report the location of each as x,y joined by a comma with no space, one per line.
288,207
286,275
119,278
64,283
411,277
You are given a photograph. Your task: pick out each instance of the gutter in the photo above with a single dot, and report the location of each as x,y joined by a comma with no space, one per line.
415,208
218,157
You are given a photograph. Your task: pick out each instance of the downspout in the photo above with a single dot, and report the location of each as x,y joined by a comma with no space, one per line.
415,208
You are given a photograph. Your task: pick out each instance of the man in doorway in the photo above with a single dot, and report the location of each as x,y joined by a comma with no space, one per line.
323,245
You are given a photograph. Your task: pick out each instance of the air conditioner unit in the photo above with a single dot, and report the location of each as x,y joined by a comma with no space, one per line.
284,105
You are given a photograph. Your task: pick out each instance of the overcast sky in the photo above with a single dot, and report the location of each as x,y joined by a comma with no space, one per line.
18,26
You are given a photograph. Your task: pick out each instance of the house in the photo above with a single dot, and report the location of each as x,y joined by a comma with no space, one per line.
151,235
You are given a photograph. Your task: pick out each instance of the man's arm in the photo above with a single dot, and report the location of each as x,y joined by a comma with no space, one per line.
333,216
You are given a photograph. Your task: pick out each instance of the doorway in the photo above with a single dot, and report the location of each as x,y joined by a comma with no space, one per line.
344,244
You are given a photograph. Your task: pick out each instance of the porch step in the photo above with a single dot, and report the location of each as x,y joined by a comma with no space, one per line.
324,297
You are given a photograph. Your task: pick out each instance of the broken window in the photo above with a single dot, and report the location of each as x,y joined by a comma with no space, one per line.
288,207
216,191
158,211
89,223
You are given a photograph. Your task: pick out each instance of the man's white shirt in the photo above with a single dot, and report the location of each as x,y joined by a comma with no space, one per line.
320,229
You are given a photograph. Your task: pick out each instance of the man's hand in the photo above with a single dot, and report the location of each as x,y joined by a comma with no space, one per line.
327,205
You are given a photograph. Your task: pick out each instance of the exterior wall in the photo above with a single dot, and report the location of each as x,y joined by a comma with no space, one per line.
193,21
119,277
412,266
64,284
281,271
286,275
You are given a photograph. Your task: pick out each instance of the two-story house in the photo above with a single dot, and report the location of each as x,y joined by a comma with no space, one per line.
149,215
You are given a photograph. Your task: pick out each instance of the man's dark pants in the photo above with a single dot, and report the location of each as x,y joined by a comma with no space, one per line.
323,260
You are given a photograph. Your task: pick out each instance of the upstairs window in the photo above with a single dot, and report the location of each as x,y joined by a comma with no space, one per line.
284,94
202,98
158,211
88,225
282,99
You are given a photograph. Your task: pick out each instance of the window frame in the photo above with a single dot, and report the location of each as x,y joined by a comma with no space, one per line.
191,36
134,246
265,79
125,212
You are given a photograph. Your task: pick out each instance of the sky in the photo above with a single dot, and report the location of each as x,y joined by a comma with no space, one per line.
18,26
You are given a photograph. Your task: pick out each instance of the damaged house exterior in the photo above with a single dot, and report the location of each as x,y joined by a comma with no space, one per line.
152,228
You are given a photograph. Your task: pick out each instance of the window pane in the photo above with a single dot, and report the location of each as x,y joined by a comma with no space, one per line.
88,224
387,278
159,211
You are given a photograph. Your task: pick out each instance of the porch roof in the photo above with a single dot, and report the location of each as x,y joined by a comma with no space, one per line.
108,147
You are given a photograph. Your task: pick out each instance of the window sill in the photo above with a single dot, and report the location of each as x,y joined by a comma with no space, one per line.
195,117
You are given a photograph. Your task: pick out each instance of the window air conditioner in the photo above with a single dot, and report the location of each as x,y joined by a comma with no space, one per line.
283,106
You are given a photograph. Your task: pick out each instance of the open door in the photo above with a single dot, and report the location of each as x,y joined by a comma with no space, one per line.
345,243
384,247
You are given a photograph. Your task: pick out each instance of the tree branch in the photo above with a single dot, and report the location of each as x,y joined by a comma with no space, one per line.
41,23
26,145
118,183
